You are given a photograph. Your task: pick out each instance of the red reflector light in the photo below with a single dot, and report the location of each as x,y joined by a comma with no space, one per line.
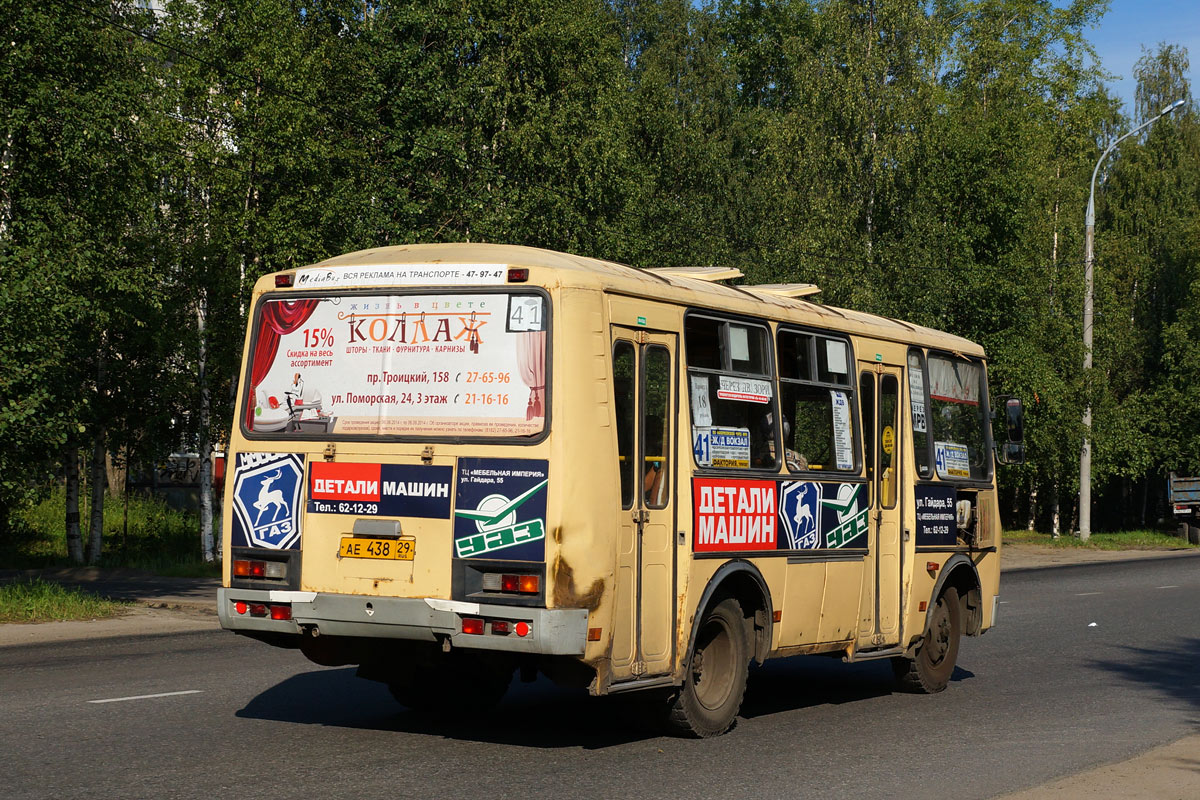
472,626
284,280
510,583
522,629
240,607
258,569
281,612
594,634
258,610
241,569
529,584
931,566
518,275
500,626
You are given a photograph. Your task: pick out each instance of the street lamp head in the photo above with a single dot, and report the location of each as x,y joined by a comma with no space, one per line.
1171,107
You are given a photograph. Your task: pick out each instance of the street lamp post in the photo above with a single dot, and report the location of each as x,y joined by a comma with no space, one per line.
1089,236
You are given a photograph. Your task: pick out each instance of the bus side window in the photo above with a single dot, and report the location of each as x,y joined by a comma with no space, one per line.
623,385
866,399
656,397
889,442
730,361
814,388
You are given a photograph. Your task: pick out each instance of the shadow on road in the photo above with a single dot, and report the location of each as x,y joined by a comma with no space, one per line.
539,714
804,682
542,715
1170,671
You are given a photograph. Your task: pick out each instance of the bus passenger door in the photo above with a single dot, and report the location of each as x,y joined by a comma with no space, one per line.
879,398
645,394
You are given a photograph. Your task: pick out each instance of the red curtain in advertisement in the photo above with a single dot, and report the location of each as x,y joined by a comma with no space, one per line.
531,359
278,318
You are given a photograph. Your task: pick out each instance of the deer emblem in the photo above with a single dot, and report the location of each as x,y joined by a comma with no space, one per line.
268,497
806,525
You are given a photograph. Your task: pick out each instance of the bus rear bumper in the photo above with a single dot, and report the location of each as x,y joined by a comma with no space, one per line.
549,632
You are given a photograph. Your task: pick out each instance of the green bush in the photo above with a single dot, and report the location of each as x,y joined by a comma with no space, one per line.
42,601
1109,540
156,536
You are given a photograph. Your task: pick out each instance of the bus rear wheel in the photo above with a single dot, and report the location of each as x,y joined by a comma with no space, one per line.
708,702
930,669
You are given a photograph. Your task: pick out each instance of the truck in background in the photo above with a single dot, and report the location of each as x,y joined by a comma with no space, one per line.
1184,496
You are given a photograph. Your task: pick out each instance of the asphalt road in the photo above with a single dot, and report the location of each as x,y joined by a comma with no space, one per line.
1090,664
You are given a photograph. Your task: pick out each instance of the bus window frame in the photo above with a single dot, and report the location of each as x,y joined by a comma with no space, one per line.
639,475
373,438
850,388
931,472
771,377
985,403
626,504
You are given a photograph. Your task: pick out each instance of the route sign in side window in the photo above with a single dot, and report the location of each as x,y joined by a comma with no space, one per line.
732,394
918,404
815,397
958,418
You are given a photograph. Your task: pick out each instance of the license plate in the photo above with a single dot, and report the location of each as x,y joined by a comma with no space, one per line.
363,547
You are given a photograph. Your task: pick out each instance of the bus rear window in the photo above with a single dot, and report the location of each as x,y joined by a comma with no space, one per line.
414,365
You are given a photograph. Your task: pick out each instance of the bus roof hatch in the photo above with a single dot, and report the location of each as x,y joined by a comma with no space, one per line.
784,289
707,274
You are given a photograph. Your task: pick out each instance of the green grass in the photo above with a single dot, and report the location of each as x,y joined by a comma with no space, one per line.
41,601
158,539
1117,540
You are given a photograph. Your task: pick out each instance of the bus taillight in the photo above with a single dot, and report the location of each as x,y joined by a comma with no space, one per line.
513,584
259,569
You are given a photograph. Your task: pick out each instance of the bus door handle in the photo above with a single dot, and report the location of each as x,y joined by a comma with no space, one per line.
640,516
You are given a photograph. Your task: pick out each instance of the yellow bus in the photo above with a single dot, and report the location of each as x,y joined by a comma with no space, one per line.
456,462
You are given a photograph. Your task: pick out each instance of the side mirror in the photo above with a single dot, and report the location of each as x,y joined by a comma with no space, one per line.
1012,451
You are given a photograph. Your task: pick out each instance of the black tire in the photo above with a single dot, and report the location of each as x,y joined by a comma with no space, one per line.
930,669
457,686
708,702
1193,534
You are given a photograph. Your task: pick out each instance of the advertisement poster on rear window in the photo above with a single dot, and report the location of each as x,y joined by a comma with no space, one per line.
430,365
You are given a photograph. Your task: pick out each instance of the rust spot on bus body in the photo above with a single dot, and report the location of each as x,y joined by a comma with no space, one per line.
565,593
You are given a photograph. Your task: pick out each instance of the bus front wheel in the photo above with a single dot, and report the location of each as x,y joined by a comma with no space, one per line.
708,702
930,669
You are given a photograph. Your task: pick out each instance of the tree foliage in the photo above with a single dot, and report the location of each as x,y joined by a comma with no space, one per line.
928,161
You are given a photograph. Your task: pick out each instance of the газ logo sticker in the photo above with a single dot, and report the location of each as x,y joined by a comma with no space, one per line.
266,499
801,515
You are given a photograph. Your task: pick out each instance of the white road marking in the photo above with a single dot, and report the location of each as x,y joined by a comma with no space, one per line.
146,696
1166,587
1087,594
